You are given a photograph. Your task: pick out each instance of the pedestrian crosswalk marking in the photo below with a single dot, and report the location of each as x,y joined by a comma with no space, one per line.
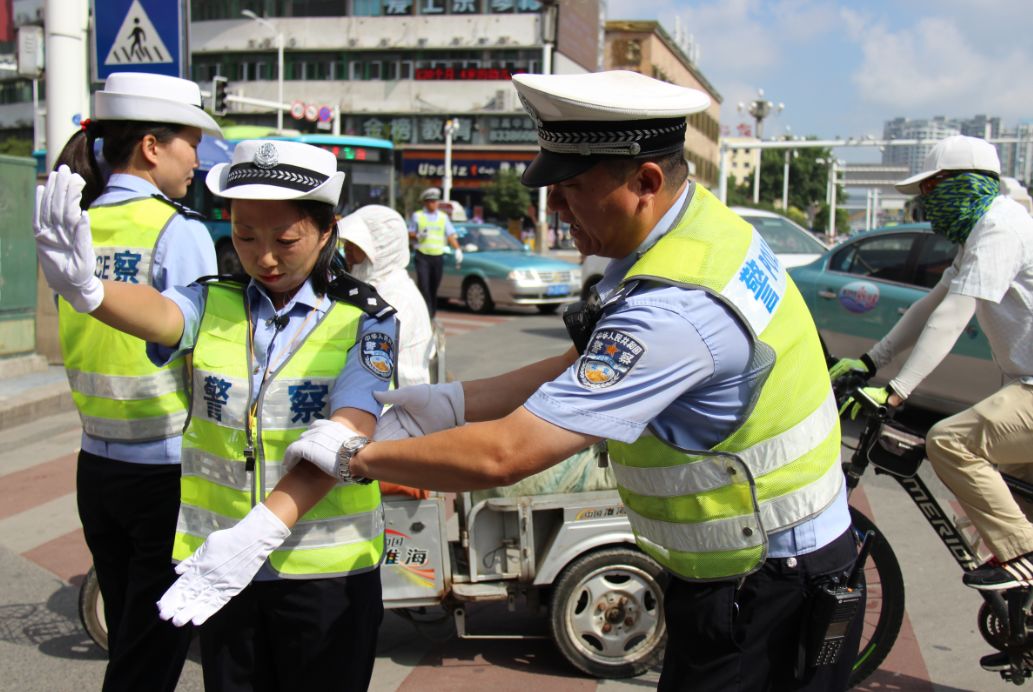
137,42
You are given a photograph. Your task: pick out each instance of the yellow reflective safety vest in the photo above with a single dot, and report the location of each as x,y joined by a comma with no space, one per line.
706,514
430,233
120,394
232,457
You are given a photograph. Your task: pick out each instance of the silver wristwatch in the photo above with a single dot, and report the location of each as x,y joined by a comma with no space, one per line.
348,450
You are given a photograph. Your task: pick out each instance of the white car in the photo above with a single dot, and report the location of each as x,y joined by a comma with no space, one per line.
793,245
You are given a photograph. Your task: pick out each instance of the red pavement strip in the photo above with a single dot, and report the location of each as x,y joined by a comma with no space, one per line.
35,485
66,556
904,668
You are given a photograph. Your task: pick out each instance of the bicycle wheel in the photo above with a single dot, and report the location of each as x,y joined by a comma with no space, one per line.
884,608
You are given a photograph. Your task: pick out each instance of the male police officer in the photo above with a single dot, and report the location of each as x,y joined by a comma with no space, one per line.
430,229
701,366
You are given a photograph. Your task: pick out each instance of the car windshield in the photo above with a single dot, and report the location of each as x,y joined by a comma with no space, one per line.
487,238
784,238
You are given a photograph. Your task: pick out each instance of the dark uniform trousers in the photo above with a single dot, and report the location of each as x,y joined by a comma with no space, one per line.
128,512
428,278
726,637
295,634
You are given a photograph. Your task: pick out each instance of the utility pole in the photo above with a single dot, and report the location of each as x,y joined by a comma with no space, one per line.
66,88
446,182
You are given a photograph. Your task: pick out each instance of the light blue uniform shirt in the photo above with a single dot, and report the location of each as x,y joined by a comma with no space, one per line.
691,387
183,254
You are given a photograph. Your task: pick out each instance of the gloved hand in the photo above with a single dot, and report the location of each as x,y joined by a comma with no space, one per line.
846,365
420,409
459,256
319,445
63,241
880,395
221,568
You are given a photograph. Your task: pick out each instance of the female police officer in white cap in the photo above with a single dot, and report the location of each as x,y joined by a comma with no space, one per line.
294,353
701,367
132,411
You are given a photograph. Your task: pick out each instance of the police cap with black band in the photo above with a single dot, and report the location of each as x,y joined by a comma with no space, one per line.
586,118
278,170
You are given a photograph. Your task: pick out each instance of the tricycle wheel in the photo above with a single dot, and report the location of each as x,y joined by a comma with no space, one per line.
91,610
607,613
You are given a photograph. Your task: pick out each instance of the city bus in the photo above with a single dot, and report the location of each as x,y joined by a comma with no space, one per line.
368,164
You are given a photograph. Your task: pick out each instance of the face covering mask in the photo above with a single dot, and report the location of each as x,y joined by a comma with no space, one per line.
956,204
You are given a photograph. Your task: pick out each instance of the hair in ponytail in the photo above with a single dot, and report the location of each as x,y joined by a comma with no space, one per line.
120,138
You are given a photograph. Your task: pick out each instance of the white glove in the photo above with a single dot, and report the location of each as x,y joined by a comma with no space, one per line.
459,256
220,569
319,445
420,409
63,241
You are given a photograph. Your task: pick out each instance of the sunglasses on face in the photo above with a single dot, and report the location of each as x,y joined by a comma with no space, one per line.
930,183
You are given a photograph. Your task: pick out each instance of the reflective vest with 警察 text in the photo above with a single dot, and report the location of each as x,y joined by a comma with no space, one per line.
121,395
344,532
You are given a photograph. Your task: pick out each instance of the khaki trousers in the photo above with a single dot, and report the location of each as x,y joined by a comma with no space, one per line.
964,450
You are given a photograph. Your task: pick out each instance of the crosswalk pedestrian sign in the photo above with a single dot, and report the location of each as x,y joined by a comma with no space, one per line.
138,36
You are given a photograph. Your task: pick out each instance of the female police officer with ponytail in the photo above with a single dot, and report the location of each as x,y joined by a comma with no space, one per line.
133,412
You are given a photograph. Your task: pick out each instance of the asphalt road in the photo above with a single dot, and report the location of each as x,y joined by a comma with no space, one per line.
42,560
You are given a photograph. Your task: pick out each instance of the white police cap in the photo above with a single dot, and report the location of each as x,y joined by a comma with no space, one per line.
584,118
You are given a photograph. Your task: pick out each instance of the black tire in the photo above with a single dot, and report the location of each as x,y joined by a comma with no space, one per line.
548,308
226,258
476,297
91,610
618,588
884,610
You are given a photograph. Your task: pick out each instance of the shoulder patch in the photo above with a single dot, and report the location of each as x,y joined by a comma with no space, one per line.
378,354
182,209
610,356
347,289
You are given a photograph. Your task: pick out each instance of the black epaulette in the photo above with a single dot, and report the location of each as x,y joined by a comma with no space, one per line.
183,209
345,288
241,279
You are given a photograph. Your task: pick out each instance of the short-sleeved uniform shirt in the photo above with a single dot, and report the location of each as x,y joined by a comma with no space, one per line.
686,377
995,265
183,254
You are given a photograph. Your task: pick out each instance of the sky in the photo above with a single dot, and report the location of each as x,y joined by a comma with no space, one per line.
843,68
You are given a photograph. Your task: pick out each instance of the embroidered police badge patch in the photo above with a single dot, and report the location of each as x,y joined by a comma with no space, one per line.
378,354
610,356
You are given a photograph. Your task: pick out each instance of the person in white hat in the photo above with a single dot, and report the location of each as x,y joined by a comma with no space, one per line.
991,278
285,364
698,361
132,412
430,230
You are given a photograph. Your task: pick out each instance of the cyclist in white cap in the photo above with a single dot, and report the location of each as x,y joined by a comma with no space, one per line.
991,278
132,412
284,370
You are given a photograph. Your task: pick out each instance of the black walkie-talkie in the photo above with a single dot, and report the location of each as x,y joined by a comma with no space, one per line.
833,609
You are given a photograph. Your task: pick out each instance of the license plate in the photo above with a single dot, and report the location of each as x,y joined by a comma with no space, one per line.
557,290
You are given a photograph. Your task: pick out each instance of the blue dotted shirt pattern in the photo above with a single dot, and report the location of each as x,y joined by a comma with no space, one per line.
183,253
353,387
691,388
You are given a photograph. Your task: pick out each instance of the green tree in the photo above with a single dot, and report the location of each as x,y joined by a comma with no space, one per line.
506,197
808,179
821,220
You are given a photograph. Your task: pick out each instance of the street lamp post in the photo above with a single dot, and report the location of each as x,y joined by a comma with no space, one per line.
759,108
446,183
279,63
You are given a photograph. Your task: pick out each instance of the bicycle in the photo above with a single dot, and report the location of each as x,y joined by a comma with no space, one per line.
893,449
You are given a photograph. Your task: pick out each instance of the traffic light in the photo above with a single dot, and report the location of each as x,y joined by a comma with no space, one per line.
219,95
